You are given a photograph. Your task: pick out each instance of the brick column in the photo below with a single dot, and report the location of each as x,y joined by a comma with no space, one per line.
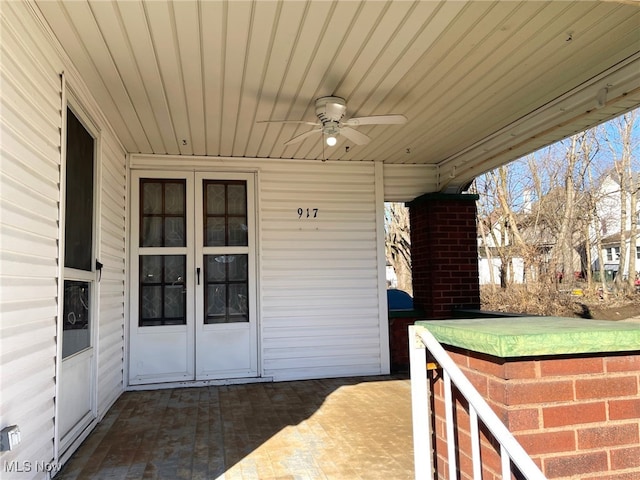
444,253
577,416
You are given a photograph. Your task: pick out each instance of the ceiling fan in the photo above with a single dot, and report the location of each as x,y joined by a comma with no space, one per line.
330,111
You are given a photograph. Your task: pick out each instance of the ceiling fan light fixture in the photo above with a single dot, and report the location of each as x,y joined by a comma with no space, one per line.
331,129
330,112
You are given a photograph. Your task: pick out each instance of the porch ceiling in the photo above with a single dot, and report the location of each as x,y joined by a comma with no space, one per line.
481,82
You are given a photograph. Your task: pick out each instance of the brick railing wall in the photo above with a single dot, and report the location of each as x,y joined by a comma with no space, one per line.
398,341
444,254
578,417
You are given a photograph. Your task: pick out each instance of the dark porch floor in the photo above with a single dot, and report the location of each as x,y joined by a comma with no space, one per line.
354,428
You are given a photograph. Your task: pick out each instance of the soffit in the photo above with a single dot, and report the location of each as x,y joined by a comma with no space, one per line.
480,82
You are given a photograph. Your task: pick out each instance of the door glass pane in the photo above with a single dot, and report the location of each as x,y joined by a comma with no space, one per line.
237,199
216,303
215,193
163,217
216,270
225,216
162,290
151,231
75,317
174,232
151,299
238,268
238,302
174,303
152,194
174,266
174,198
226,286
237,231
78,225
215,232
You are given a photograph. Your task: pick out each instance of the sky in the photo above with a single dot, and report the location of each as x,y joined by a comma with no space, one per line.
550,162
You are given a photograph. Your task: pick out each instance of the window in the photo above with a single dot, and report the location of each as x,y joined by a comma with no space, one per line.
613,254
163,219
225,219
163,223
78,227
162,290
227,299
75,336
78,237
226,275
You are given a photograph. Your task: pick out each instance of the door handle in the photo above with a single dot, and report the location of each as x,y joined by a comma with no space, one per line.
198,275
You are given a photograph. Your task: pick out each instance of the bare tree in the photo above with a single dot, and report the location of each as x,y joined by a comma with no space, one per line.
494,225
487,251
621,170
633,231
481,221
595,231
564,254
589,148
505,205
565,209
398,243
627,123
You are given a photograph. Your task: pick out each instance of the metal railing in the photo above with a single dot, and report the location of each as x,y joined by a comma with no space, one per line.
421,341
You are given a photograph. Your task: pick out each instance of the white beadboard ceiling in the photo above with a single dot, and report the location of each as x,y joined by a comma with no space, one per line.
481,82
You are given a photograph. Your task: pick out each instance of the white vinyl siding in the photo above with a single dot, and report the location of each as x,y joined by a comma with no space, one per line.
319,306
30,131
30,123
111,253
319,275
403,183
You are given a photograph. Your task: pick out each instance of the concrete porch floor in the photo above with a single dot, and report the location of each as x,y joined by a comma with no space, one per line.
348,428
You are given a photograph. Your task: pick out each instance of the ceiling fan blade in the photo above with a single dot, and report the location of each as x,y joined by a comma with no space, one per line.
302,136
355,136
376,120
289,121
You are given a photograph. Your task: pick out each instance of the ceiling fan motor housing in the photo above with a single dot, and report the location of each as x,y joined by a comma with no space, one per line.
330,109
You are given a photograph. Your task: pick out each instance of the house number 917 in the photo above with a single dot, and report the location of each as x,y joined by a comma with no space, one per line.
307,213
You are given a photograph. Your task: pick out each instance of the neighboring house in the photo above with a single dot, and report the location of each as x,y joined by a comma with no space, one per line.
608,205
516,271
494,263
497,241
608,222
537,234
391,277
153,234
611,255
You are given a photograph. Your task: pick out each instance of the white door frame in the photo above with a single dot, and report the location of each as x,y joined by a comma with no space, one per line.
76,411
195,331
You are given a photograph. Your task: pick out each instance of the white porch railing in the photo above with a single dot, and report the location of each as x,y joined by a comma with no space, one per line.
421,340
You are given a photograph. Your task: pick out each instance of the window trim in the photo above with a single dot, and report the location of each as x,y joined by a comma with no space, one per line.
69,273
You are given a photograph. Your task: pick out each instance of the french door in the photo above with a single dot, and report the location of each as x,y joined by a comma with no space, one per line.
193,299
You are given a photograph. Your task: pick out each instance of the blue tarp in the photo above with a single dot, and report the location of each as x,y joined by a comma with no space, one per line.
399,300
